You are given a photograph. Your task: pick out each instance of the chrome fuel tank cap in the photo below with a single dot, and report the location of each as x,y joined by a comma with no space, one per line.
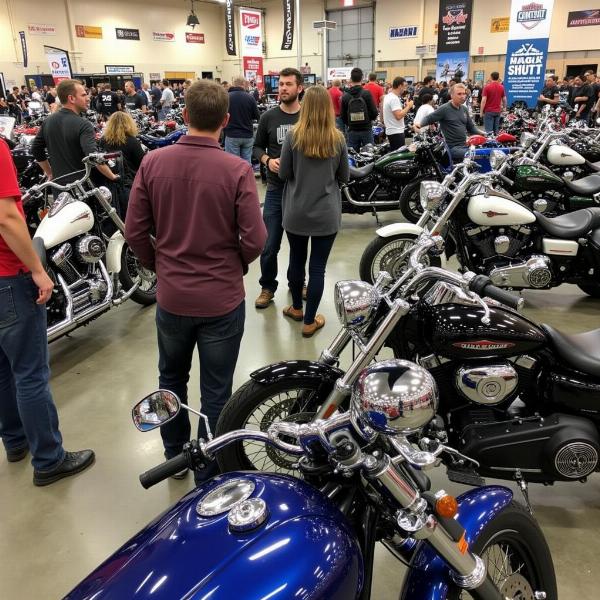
224,497
248,515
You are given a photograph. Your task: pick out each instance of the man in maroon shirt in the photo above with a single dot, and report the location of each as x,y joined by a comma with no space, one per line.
203,206
493,102
28,417
335,93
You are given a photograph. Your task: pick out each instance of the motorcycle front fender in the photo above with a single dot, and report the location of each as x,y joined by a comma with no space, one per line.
113,252
399,229
296,369
429,577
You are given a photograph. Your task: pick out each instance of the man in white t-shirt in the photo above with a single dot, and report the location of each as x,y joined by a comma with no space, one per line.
166,100
394,113
426,108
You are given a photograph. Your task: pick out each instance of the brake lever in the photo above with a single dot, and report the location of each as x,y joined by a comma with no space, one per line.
426,444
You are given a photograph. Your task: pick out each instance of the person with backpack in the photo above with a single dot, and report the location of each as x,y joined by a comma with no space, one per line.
358,111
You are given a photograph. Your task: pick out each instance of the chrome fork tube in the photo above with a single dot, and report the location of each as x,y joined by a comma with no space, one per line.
331,354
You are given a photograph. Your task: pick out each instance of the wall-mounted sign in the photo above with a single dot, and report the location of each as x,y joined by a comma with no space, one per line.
499,24
583,18
88,31
118,69
194,38
154,76
397,33
163,36
127,34
41,29
478,76
338,73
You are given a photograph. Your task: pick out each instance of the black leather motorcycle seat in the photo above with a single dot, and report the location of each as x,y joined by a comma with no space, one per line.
581,351
586,186
361,172
570,225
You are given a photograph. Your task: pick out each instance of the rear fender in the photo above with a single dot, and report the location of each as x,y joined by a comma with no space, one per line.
429,577
296,369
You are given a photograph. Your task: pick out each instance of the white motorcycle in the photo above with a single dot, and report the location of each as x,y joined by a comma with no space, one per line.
80,242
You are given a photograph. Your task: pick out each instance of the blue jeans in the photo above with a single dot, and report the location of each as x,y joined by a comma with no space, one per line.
218,342
272,216
458,153
491,122
339,123
241,147
320,248
357,139
28,415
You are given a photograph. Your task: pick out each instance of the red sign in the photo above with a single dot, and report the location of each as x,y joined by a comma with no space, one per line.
194,38
250,20
253,70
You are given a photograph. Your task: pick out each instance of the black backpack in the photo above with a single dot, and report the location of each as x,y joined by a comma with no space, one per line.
358,111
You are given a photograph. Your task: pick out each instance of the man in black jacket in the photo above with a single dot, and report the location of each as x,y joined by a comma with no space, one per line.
239,134
428,88
358,111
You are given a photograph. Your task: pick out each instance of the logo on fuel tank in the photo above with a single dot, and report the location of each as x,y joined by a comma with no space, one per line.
483,345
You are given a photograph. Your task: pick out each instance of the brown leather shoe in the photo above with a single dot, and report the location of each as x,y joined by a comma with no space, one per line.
293,313
310,330
264,299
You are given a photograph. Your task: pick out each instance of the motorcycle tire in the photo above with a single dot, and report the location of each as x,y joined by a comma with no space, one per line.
410,202
516,555
381,254
591,289
256,406
130,269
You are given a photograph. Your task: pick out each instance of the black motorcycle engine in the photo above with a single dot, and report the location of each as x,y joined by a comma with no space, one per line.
558,447
373,187
497,241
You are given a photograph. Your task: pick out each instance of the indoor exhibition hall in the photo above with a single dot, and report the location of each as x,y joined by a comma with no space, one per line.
299,300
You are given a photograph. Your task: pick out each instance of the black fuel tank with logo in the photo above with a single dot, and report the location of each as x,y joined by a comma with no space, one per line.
456,331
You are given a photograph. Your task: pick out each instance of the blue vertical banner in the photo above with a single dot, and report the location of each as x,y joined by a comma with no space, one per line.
23,47
527,50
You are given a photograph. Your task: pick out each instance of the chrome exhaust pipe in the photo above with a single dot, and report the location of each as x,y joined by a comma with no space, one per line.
373,204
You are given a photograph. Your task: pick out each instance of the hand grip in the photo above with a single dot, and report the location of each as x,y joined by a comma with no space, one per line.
164,470
482,285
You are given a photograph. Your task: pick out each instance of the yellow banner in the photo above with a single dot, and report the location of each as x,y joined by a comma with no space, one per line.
499,24
88,31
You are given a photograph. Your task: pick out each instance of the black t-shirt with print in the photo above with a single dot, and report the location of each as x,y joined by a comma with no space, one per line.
134,102
107,102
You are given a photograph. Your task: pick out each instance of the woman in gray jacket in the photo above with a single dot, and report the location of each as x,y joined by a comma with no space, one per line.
313,160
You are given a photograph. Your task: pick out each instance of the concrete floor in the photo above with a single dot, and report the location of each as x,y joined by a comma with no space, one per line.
50,538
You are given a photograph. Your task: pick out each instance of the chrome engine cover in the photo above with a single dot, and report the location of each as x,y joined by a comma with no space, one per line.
90,249
534,273
487,385
575,460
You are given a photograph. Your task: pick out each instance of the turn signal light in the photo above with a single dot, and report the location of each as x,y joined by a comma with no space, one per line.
447,507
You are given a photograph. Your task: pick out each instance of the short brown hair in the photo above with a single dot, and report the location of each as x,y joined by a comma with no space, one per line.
65,89
291,72
207,104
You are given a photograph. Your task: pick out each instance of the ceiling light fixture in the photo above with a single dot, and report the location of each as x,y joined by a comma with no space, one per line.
192,19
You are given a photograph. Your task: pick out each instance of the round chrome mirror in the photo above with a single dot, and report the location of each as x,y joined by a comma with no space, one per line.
156,409
394,397
355,302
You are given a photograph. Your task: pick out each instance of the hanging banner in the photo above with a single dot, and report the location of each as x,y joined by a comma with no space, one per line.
253,70
288,25
583,18
229,28
23,47
454,39
58,61
251,32
527,50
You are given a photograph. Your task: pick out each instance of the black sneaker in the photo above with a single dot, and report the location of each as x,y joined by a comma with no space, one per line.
74,462
17,454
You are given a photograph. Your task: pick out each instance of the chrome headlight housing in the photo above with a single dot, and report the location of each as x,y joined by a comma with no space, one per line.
526,139
355,302
431,194
497,159
61,201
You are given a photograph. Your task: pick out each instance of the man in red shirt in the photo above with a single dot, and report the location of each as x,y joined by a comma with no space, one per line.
376,90
203,205
335,93
28,417
493,102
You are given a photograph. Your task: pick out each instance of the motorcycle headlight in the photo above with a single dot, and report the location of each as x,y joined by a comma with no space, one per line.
497,158
431,194
61,201
526,139
355,302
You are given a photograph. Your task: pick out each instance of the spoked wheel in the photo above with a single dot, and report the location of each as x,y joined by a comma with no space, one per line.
256,406
389,254
131,273
516,555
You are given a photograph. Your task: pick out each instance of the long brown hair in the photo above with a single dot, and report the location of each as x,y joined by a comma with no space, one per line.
315,134
119,127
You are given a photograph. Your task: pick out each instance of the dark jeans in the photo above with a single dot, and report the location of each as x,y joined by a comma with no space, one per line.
491,122
396,140
339,123
272,216
358,139
458,153
320,247
28,415
218,342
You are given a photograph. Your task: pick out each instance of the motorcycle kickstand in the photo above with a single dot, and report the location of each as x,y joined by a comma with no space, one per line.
524,487
376,215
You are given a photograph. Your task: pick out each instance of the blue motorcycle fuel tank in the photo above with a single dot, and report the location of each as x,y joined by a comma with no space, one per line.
303,549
